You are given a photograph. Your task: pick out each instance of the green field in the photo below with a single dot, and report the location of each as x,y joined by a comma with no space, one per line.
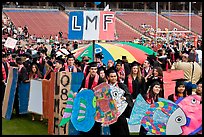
23,125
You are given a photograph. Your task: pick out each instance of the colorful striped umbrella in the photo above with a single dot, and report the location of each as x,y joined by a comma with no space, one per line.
115,50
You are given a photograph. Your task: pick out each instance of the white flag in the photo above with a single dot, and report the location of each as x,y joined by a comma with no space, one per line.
107,8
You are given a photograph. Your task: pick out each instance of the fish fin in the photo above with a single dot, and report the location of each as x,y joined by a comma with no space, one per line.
165,100
188,120
82,110
139,109
179,100
68,110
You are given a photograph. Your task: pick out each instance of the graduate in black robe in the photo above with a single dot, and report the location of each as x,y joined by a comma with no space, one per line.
121,126
90,81
135,81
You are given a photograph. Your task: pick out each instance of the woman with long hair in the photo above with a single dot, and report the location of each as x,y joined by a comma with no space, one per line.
135,81
151,97
157,74
180,90
35,74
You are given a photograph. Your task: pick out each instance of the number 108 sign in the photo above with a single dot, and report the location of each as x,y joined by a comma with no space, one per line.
91,25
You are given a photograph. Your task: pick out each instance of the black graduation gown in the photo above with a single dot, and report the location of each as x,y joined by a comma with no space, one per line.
138,87
121,126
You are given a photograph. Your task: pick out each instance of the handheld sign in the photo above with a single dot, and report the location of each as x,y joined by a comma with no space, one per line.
91,25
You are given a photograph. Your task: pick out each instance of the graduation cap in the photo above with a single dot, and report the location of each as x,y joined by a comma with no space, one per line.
71,55
124,57
156,81
35,56
60,60
118,61
101,69
86,58
134,63
199,81
93,64
14,55
27,54
110,70
179,81
77,62
99,55
50,63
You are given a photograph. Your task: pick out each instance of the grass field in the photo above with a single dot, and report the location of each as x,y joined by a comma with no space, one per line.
23,125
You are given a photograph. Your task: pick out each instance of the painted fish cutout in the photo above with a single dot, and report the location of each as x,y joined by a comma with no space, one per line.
149,116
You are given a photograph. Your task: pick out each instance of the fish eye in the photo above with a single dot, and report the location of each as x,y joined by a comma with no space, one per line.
178,119
115,93
193,101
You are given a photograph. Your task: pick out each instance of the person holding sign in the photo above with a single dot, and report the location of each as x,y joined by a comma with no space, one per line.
121,126
90,81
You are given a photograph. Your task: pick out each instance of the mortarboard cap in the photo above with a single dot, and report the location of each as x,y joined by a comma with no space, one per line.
118,61
77,62
14,55
86,58
134,63
71,55
60,60
124,57
93,64
156,81
199,81
110,70
101,69
99,55
179,81
50,63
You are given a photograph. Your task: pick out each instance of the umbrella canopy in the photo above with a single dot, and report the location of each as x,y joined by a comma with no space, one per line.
114,51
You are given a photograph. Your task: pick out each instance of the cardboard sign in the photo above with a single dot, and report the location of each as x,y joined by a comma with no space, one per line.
91,25
35,98
10,43
10,91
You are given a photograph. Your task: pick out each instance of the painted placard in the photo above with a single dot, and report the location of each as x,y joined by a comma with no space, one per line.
91,25
10,92
10,43
35,98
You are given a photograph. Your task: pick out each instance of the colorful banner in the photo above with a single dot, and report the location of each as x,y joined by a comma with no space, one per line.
10,91
23,94
100,24
35,98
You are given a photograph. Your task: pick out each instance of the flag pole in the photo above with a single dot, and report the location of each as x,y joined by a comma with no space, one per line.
93,49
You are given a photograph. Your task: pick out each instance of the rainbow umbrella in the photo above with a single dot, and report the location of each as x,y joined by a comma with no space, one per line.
115,50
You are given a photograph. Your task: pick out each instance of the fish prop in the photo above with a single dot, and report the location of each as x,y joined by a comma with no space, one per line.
106,109
117,93
192,107
84,109
158,118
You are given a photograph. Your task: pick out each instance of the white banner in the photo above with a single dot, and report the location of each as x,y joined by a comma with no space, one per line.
10,43
35,104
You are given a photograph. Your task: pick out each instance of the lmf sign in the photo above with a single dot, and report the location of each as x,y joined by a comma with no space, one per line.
91,25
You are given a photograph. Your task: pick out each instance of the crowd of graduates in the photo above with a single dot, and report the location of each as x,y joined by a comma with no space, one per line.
132,77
